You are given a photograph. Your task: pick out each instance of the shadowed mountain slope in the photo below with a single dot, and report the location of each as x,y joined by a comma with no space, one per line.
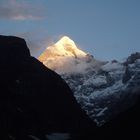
34,100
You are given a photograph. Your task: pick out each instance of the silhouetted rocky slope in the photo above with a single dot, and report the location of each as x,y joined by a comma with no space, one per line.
34,100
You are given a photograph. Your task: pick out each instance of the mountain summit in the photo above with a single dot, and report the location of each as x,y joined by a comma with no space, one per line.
64,47
65,57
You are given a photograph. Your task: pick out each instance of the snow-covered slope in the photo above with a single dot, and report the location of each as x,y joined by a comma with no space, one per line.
103,89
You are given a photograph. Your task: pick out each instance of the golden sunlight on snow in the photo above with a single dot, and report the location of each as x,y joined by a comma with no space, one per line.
64,47
65,57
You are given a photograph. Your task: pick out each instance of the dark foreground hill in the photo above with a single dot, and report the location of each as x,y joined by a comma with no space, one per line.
34,101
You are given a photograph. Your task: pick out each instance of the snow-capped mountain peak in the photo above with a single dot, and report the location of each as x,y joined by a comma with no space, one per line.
67,46
64,47
65,40
65,57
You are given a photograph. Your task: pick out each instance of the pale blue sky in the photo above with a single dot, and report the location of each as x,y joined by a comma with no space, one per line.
107,29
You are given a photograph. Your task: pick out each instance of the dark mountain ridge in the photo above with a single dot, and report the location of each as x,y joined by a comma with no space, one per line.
34,100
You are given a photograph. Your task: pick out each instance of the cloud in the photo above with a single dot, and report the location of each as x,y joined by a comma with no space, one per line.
21,10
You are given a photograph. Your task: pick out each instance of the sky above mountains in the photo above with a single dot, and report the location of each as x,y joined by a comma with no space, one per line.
107,29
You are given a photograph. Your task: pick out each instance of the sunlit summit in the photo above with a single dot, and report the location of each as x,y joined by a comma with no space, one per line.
64,57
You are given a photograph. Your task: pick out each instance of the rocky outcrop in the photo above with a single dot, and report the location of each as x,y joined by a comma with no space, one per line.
34,100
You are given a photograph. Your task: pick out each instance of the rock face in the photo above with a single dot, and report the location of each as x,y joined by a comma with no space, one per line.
34,100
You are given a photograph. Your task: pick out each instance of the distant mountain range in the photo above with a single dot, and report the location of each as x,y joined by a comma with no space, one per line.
103,89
